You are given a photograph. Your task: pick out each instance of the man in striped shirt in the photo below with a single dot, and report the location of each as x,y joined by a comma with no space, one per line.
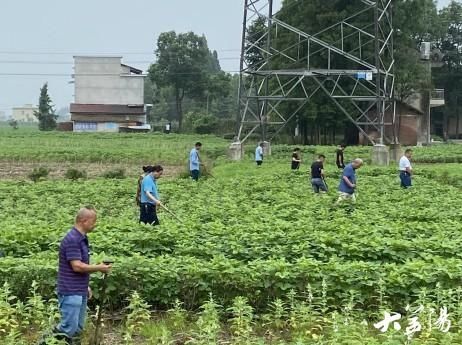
74,275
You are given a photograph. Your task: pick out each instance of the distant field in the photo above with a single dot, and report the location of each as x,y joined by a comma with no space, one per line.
27,144
249,237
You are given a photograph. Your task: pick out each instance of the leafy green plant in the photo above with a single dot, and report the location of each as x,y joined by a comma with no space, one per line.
137,315
208,323
118,173
241,320
38,174
8,314
75,174
178,316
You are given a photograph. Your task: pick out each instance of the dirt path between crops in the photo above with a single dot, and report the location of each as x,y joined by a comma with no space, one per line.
20,170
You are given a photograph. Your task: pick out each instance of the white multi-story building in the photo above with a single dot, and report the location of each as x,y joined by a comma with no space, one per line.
25,113
108,95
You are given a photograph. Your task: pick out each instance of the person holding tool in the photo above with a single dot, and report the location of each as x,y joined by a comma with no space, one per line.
74,276
339,156
296,159
194,161
405,169
317,175
150,196
347,184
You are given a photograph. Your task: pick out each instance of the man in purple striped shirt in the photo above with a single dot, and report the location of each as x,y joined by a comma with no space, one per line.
74,275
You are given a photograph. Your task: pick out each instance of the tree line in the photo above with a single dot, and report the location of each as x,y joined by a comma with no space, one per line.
187,86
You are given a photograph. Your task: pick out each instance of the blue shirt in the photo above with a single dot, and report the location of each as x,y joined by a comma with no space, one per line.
259,153
351,174
74,246
149,184
194,160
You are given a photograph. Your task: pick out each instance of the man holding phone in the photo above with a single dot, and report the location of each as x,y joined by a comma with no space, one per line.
74,276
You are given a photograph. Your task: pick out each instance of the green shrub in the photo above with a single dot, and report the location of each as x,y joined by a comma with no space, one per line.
38,174
118,173
75,174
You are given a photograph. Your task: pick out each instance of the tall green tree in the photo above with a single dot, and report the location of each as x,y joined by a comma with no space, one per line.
182,63
46,113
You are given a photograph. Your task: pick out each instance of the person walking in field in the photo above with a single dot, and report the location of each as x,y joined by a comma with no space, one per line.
296,159
74,276
150,196
317,175
405,169
195,161
339,156
259,154
347,184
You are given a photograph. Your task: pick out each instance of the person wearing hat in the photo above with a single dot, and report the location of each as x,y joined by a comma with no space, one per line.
150,196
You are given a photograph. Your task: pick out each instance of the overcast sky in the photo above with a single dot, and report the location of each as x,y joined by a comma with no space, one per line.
40,37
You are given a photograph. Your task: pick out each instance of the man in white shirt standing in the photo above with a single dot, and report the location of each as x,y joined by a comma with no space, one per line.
405,169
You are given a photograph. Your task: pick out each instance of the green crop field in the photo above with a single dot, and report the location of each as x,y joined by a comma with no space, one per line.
257,257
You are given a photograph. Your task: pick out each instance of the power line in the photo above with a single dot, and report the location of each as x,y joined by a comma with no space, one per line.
38,62
151,53
92,75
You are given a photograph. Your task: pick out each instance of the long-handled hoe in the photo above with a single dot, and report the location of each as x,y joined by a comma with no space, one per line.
171,213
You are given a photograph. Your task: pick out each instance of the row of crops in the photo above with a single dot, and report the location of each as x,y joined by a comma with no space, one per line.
28,145
252,233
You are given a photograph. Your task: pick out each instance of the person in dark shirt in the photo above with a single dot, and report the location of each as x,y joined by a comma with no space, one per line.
317,175
296,159
339,156
74,276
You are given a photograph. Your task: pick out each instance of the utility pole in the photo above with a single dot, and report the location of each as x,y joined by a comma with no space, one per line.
351,65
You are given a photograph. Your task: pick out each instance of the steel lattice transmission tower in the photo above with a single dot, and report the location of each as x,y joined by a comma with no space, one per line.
351,62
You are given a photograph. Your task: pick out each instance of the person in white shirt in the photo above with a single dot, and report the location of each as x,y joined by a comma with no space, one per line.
405,169
259,154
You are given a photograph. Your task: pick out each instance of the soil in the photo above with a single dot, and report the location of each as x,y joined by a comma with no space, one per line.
10,170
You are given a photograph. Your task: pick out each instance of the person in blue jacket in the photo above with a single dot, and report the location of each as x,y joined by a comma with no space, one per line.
150,196
347,186
195,161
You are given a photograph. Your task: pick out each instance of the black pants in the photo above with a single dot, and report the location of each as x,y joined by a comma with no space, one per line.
195,175
148,214
259,163
295,165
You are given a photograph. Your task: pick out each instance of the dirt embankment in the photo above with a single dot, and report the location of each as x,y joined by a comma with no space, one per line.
21,170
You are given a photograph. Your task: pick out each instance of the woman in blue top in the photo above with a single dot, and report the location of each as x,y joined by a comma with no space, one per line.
150,196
